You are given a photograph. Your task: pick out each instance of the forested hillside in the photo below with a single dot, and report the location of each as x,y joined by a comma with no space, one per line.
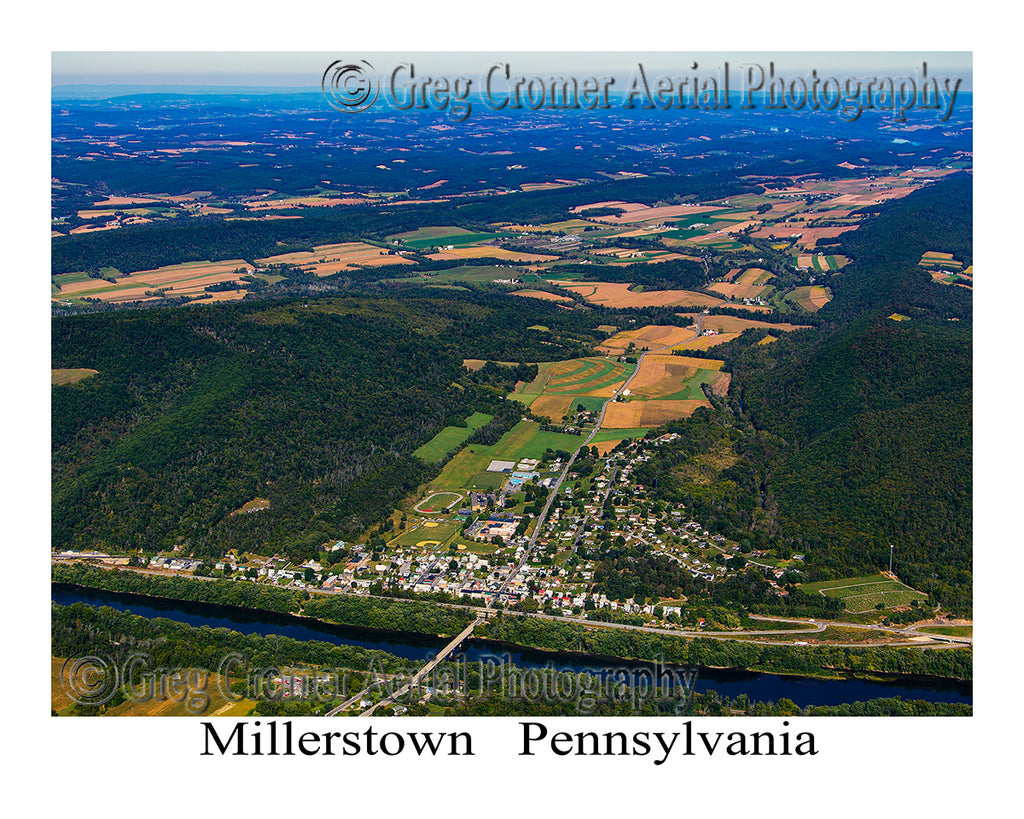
855,434
315,406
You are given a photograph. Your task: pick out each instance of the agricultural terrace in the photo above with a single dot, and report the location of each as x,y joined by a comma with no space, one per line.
749,285
561,385
189,279
468,469
861,594
449,438
326,260
618,295
812,298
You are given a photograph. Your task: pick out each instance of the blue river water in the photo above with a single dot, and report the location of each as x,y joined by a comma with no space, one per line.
758,687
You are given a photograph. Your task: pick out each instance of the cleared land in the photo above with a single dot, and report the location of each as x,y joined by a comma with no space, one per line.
652,413
449,438
653,337
749,285
326,260
189,279
860,594
489,251
467,470
72,376
542,294
812,298
618,295
734,324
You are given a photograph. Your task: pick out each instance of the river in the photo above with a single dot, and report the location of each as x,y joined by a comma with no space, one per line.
804,691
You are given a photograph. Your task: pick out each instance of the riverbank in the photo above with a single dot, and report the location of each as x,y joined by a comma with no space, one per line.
734,679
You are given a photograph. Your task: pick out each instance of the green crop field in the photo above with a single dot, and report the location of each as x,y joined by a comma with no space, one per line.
860,594
616,434
450,437
524,440
691,387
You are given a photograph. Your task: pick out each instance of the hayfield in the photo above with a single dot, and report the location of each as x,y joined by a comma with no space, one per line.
544,295
651,413
187,279
653,337
326,260
489,251
449,438
72,376
734,324
749,285
811,298
705,342
618,295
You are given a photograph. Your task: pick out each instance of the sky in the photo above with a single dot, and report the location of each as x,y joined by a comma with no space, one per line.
292,69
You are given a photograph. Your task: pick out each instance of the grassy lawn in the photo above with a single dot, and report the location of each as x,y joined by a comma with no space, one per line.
951,631
862,594
449,438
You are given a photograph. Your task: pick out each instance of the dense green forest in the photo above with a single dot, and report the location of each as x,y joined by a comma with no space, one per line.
839,440
316,406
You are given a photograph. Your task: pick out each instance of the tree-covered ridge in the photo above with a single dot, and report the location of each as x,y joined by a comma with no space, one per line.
837,441
316,405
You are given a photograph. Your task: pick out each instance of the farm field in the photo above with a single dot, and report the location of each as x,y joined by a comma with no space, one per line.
618,295
651,413
450,437
750,284
489,251
735,324
653,337
806,237
524,440
169,706
812,298
189,279
706,342
544,295
861,594
428,237
72,376
326,260
821,262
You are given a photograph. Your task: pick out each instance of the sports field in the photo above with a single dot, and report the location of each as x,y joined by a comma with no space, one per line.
860,594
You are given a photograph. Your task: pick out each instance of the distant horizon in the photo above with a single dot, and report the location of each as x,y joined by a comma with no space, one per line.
303,70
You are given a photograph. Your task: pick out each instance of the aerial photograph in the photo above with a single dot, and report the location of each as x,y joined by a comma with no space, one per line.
513,384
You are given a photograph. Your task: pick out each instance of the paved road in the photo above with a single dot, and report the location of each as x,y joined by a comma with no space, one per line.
558,483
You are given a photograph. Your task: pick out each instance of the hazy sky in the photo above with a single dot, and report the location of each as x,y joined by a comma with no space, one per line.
281,68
